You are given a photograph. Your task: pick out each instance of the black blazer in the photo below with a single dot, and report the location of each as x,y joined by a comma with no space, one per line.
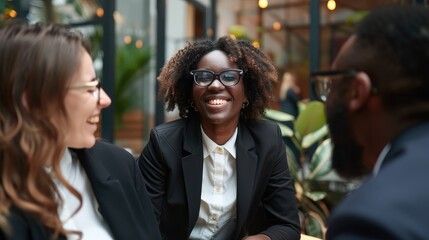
172,165
394,203
24,226
119,189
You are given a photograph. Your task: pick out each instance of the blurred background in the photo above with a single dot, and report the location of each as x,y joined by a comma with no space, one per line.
132,39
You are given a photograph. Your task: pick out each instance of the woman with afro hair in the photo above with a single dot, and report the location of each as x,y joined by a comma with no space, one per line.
219,172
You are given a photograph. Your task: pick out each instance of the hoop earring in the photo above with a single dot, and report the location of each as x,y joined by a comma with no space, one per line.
245,104
193,106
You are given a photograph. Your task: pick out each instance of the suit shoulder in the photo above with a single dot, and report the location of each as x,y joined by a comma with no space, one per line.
263,125
106,147
171,127
172,124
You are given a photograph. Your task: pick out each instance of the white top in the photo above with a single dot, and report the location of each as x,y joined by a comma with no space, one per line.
380,160
87,220
219,187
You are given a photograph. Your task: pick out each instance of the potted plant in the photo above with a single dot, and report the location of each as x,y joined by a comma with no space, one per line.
308,148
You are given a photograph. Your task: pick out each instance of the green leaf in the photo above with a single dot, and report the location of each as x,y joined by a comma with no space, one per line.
315,196
292,163
239,31
314,225
311,119
314,137
320,164
286,131
356,17
278,115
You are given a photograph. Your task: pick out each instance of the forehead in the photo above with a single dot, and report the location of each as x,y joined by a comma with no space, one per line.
85,71
343,56
216,60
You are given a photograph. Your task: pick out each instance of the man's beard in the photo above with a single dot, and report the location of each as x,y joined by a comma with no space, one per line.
347,153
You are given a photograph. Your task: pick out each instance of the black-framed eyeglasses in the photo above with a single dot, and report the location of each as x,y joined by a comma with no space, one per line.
94,86
321,81
228,78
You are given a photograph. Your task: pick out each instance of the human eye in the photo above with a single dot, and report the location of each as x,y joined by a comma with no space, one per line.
92,86
204,76
229,76
92,89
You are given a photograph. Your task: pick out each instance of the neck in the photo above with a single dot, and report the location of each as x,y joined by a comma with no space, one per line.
218,133
374,133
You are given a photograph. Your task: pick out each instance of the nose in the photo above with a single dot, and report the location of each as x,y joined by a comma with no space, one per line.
216,83
105,100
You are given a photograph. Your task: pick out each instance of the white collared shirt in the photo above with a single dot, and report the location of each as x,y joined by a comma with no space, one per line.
219,187
380,160
87,220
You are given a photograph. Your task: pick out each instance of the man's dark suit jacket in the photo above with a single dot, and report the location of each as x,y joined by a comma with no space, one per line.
119,189
394,204
172,165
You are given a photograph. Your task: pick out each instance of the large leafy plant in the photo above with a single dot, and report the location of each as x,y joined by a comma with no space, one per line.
131,64
308,148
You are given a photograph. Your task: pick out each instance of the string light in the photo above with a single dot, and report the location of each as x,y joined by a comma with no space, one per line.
99,12
256,44
139,43
331,5
127,39
263,3
277,26
12,13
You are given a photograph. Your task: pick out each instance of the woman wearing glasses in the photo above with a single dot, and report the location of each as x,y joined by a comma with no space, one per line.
56,180
219,172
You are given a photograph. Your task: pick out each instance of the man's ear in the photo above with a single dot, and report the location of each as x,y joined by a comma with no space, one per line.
360,92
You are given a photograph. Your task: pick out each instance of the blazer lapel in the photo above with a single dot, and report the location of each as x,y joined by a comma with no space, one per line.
109,194
192,166
399,144
246,169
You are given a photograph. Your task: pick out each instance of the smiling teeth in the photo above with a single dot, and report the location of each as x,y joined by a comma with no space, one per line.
94,119
217,101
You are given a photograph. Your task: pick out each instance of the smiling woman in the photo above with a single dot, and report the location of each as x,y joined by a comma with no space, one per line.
56,180
214,173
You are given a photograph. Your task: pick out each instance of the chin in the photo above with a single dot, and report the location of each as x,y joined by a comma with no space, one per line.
83,143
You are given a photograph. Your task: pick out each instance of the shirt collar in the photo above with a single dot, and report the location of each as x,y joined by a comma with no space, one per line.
210,146
380,160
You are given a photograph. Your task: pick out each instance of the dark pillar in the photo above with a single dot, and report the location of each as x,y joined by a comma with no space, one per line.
260,26
419,2
147,91
160,57
21,7
108,23
213,15
314,39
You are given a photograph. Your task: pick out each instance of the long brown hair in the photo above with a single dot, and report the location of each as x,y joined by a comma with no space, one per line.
36,65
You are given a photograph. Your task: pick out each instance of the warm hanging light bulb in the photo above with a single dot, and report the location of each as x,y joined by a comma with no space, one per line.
139,43
277,26
99,12
263,3
331,5
12,13
256,44
127,39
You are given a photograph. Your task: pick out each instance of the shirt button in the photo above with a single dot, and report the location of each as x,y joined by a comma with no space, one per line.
213,217
219,149
217,189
